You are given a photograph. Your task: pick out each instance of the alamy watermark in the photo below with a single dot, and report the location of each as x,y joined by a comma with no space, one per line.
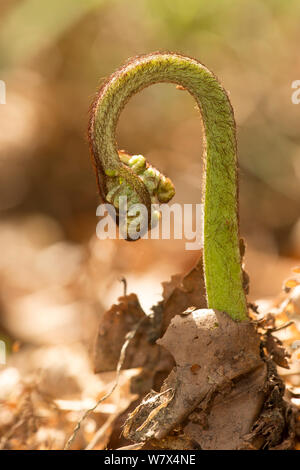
2,92
2,352
165,222
296,94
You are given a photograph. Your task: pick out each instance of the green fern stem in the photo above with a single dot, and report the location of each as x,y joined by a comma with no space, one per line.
222,258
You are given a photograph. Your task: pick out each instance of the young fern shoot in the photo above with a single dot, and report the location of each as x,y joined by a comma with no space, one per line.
121,175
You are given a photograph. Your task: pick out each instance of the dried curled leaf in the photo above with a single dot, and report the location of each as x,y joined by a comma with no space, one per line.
182,292
276,350
114,325
229,370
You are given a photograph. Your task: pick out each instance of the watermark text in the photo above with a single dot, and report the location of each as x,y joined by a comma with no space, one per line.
2,92
296,94
164,222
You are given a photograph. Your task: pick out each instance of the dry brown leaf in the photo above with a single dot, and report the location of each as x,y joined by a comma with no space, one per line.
228,358
114,325
182,292
276,350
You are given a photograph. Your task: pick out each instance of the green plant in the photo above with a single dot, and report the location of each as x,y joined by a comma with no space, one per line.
120,175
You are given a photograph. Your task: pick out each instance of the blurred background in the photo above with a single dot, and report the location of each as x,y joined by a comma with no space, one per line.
56,276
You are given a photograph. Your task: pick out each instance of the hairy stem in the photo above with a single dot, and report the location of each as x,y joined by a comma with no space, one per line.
222,259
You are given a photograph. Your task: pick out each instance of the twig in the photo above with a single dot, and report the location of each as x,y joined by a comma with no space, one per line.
128,337
124,282
278,328
136,446
101,431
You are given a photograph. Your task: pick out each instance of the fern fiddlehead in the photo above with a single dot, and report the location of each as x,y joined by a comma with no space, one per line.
119,174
